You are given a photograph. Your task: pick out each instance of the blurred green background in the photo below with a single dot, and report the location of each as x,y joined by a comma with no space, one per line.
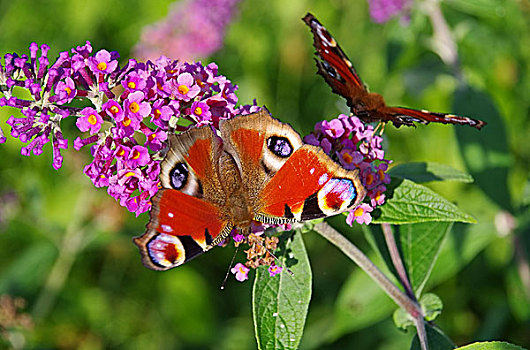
65,247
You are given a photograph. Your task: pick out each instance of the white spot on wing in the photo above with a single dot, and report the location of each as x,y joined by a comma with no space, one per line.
312,171
167,228
170,215
323,178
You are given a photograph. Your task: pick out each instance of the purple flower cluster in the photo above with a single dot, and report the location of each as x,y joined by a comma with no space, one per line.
382,10
355,146
132,109
193,29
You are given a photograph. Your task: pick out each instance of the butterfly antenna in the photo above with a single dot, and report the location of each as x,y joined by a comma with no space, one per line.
277,260
229,268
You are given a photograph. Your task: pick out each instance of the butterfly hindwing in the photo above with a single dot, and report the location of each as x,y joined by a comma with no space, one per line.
181,228
408,116
187,218
309,186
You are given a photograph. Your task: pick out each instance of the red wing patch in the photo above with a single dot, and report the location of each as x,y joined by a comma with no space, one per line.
309,186
181,228
197,153
249,144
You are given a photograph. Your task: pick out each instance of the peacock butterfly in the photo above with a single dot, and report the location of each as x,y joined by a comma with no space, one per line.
339,73
257,169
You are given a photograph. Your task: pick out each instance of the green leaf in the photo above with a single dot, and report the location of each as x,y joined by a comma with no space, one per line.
486,152
431,305
280,303
408,203
420,246
435,337
491,345
428,171
462,244
360,303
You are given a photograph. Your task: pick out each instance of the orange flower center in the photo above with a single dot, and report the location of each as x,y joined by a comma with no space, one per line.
369,179
68,90
130,173
121,152
134,107
131,85
347,158
152,137
126,121
102,66
358,212
381,174
198,111
114,109
136,154
92,119
183,89
157,113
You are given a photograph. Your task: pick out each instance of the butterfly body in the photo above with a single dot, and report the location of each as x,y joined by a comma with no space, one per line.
255,169
338,71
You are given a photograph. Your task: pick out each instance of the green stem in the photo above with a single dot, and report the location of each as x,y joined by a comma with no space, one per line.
355,254
72,243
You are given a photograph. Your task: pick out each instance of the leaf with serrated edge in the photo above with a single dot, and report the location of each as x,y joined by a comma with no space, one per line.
280,303
428,171
409,203
491,345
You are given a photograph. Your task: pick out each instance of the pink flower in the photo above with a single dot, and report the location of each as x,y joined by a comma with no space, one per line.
90,120
65,90
333,128
241,272
274,270
102,62
155,139
113,110
185,88
139,156
361,215
136,107
200,111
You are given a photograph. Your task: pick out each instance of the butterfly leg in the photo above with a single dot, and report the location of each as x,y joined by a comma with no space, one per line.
381,125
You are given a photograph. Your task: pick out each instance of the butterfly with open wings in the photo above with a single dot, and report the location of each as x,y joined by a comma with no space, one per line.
339,73
257,169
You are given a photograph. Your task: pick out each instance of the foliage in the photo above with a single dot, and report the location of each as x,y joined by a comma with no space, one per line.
66,247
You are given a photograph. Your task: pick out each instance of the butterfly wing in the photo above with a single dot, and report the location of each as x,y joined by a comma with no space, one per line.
187,218
333,64
310,185
260,144
339,73
407,116
287,180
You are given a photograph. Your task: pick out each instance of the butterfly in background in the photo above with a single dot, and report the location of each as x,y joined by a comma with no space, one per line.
339,73
256,169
